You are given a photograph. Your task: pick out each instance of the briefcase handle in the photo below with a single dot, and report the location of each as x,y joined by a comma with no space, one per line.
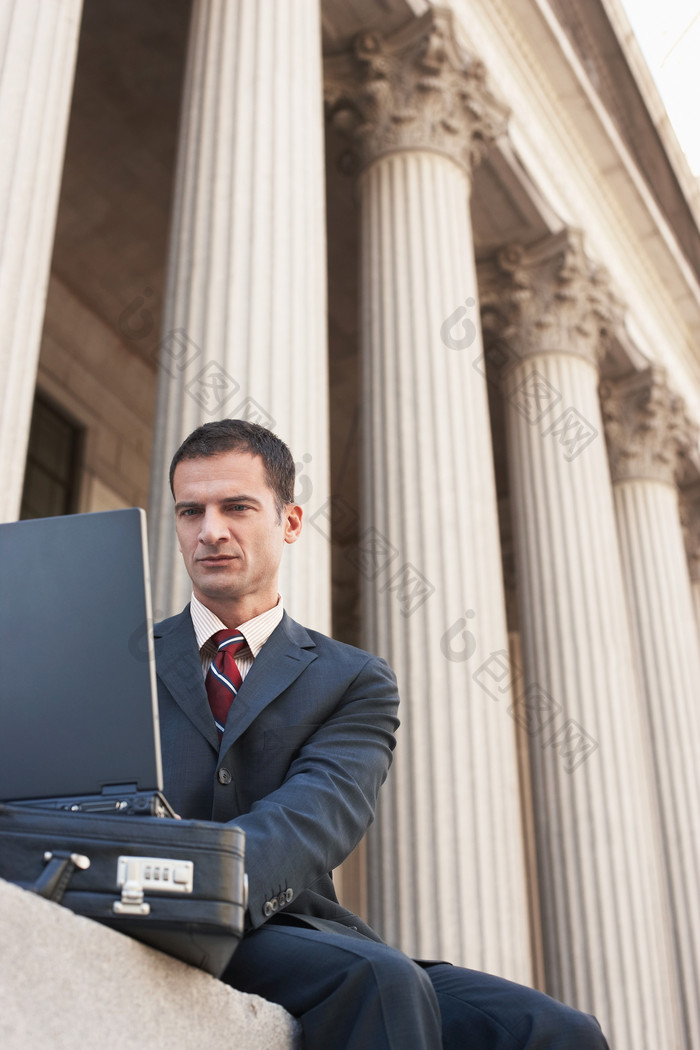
54,879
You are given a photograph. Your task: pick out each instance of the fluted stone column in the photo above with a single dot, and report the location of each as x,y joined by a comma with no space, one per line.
603,902
445,859
244,332
647,433
38,44
690,518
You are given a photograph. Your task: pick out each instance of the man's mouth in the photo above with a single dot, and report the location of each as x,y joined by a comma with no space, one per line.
216,559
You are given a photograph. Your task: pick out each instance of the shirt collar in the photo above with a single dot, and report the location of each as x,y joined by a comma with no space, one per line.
255,631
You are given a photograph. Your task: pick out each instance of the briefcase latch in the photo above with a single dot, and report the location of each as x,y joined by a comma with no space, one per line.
135,875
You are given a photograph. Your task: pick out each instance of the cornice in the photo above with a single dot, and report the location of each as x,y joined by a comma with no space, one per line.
565,137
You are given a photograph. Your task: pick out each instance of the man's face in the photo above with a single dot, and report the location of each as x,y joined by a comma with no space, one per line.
229,532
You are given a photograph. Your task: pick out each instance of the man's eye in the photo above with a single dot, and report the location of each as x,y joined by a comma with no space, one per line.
188,512
239,506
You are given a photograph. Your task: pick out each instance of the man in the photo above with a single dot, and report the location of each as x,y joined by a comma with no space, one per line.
297,762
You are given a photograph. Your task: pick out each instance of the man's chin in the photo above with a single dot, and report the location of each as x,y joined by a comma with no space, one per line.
218,587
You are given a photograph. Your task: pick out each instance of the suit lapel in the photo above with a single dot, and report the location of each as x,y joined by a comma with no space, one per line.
180,669
284,656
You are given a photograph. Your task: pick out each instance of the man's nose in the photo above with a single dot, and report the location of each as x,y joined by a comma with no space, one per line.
213,527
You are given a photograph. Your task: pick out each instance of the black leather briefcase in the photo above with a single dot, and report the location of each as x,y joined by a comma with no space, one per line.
177,885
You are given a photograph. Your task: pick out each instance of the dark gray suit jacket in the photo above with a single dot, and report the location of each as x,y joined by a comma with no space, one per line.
308,743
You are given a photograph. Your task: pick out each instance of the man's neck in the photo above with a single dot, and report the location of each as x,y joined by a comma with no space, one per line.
234,613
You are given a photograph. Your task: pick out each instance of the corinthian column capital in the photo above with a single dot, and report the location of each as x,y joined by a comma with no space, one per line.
550,298
646,425
415,89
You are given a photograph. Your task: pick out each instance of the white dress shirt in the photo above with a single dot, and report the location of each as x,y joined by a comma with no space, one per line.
255,631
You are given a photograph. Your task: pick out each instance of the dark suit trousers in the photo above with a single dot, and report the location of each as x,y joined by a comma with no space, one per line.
352,993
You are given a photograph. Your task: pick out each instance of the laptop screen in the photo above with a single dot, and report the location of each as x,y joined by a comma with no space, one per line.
78,702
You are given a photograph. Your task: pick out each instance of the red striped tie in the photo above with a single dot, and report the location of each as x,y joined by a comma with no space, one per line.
224,679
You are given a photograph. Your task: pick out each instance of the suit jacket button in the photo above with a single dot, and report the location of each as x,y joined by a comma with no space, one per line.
288,895
224,776
268,909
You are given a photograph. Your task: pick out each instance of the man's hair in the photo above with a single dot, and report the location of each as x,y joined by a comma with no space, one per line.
238,435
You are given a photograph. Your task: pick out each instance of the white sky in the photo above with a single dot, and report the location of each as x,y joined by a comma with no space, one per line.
668,32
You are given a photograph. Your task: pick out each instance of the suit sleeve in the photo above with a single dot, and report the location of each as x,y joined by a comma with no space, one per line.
315,818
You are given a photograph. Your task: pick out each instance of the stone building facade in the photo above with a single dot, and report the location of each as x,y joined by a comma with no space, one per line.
451,255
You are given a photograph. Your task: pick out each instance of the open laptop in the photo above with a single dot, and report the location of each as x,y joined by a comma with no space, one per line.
78,702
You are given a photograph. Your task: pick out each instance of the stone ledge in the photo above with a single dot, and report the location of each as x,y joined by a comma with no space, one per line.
67,981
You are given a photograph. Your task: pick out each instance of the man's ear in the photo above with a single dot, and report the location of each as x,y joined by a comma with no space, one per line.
292,522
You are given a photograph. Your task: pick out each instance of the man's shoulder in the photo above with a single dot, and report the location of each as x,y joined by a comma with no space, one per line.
328,647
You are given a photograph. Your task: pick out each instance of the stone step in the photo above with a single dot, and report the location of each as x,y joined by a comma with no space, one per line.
68,982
